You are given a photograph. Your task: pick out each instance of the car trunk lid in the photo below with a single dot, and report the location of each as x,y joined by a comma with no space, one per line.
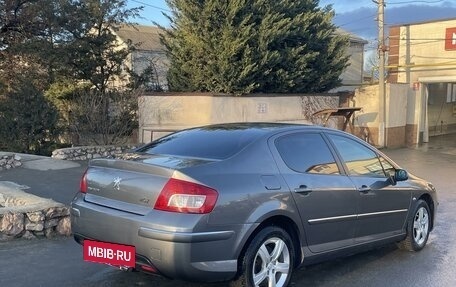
133,185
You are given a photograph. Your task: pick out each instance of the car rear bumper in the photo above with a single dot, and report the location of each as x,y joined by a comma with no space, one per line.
174,251
184,237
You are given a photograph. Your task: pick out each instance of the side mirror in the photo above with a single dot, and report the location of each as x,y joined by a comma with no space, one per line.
401,175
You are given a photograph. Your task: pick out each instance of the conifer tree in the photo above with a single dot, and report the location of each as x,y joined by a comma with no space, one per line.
244,46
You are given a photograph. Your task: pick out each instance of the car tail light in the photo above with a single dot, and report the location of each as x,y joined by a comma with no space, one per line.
83,183
186,197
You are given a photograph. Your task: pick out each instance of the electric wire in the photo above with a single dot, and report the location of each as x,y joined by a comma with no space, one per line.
152,6
413,2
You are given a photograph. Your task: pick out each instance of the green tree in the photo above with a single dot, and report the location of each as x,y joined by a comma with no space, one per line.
18,21
92,52
27,119
244,46
95,61
69,51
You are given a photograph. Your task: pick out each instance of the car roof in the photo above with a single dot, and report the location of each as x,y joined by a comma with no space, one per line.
218,141
262,127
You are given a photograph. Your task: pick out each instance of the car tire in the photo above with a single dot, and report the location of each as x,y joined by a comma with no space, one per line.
270,255
418,228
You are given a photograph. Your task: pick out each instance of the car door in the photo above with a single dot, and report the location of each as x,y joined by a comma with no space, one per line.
326,198
383,205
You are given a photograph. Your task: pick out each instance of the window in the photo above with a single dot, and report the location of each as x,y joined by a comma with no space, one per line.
451,93
359,160
215,142
387,167
307,153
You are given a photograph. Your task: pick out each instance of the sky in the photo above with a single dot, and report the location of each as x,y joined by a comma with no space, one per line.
356,16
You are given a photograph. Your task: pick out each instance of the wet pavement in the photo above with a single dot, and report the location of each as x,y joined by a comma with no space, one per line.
59,262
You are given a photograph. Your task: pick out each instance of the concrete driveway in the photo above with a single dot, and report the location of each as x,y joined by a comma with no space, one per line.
59,262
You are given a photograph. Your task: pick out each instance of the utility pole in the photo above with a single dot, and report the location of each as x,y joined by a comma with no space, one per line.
382,137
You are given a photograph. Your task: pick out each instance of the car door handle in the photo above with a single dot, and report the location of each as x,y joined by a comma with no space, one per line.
364,189
303,189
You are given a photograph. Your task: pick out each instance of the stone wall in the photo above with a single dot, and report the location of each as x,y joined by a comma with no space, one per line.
88,152
47,223
10,161
25,215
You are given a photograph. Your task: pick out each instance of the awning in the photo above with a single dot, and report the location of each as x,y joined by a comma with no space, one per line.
347,113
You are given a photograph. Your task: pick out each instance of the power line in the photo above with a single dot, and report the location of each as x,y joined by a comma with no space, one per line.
418,39
413,2
357,20
152,6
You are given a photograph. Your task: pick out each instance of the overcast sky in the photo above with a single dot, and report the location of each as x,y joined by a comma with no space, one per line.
356,16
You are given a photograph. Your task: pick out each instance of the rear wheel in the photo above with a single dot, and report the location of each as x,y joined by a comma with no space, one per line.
268,260
417,228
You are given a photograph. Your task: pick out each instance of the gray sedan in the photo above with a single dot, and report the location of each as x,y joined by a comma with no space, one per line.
247,202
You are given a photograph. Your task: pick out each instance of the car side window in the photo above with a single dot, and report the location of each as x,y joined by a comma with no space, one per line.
360,160
387,166
307,153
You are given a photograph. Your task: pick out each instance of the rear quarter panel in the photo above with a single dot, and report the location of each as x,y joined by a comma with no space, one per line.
250,188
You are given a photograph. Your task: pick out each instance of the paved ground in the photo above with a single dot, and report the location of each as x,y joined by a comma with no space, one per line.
59,262
48,178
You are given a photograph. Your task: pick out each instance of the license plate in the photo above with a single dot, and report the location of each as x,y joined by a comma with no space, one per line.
109,253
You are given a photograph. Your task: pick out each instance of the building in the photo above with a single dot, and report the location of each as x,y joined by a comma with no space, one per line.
353,76
149,52
422,56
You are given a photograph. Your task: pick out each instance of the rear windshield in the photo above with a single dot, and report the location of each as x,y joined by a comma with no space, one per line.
210,143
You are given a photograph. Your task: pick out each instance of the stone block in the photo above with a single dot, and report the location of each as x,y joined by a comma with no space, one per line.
49,223
37,216
39,233
33,226
12,224
54,212
49,232
28,235
64,226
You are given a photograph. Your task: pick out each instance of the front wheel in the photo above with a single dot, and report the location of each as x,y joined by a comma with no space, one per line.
268,260
418,228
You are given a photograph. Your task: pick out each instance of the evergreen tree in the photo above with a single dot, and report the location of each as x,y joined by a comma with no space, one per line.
243,46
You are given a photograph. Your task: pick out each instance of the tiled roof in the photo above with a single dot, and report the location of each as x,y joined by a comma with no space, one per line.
146,36
353,37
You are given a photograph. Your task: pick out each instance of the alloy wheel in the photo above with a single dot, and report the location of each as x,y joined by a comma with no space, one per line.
421,225
272,263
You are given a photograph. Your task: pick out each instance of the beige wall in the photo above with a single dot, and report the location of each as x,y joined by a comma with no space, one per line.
396,99
367,98
367,120
422,51
174,111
